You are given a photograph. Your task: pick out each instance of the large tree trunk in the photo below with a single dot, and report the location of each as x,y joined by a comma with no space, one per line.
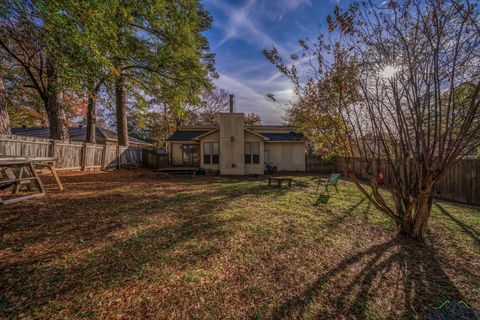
91,118
55,113
415,218
92,113
121,106
4,119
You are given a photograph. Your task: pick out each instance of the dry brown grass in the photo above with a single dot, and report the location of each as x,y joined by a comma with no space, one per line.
127,245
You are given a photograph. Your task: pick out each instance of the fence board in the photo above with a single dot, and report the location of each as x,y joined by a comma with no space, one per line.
110,157
156,161
460,184
317,164
71,155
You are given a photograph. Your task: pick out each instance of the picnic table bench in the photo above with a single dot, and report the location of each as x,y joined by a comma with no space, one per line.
50,164
18,171
179,171
25,174
38,163
279,181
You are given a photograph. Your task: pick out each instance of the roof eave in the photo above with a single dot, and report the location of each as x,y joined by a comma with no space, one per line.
197,138
182,141
276,141
257,134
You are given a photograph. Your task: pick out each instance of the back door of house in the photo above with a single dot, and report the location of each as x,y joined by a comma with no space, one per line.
190,155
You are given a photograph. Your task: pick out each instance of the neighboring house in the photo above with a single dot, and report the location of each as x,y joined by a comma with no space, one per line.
232,148
103,136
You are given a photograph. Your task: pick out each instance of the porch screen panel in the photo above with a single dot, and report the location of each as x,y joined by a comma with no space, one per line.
248,158
255,152
190,155
252,152
207,152
215,152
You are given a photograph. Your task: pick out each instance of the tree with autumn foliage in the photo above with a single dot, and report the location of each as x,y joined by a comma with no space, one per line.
211,104
164,52
69,53
252,119
397,83
50,42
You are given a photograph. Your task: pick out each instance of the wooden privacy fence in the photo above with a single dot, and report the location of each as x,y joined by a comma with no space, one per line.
460,184
72,155
154,160
317,164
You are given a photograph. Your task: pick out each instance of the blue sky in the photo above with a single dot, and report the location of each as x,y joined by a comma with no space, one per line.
242,29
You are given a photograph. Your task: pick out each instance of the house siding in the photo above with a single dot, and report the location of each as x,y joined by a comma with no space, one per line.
286,147
213,137
232,144
176,152
255,168
286,156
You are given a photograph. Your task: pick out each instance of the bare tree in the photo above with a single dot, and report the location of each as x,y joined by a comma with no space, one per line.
397,84
212,103
206,111
252,119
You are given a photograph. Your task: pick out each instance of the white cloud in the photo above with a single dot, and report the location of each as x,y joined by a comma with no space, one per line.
242,22
247,99
291,5
250,81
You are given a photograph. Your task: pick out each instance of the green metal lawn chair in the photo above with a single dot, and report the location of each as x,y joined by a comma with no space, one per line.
331,181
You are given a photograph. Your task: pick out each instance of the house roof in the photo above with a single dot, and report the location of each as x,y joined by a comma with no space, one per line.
205,134
261,135
76,134
291,136
194,128
271,127
181,135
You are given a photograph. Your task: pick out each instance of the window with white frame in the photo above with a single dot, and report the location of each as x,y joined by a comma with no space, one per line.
210,152
252,152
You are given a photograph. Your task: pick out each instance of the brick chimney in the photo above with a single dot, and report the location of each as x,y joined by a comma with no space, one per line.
231,103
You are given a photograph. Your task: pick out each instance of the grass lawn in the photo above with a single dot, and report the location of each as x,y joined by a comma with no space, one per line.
129,245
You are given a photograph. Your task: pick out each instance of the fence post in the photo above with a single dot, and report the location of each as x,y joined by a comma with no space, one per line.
53,147
118,156
145,157
104,156
83,160
468,171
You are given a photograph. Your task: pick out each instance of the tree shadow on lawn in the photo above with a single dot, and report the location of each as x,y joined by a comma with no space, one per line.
27,283
93,213
322,199
405,271
338,219
467,229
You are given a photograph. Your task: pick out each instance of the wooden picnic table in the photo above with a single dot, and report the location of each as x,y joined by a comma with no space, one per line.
279,181
191,171
38,163
10,178
50,164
